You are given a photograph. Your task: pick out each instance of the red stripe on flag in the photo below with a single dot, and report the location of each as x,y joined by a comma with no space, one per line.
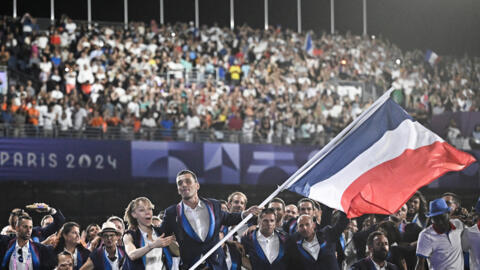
386,187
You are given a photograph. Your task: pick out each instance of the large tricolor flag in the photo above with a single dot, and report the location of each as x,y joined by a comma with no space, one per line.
377,163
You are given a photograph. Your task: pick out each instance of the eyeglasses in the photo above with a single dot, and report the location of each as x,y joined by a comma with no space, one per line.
109,235
20,257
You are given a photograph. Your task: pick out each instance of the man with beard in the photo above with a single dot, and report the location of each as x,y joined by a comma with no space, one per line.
441,242
196,223
377,244
21,252
315,249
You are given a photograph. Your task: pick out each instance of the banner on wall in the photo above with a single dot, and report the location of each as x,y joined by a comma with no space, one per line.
214,163
48,159
218,163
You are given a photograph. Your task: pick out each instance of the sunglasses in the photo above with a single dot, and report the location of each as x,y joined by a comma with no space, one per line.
20,257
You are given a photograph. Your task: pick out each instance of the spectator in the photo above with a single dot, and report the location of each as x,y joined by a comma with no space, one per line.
247,130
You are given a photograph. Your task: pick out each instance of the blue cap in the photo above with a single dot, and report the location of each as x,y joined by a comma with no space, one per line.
438,207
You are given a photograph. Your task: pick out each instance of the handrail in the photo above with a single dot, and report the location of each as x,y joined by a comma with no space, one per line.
155,134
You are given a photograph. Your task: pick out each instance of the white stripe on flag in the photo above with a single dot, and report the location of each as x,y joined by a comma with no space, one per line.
408,135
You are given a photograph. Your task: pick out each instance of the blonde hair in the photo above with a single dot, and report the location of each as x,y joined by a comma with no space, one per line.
241,194
131,221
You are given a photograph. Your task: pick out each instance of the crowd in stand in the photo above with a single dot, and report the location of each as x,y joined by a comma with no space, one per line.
261,84
303,235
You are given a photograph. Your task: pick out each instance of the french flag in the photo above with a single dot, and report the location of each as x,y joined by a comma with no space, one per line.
377,162
431,57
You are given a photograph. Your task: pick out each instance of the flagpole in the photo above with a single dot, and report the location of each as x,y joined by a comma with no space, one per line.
304,169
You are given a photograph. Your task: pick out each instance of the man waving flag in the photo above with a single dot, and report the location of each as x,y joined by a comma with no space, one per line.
373,166
377,163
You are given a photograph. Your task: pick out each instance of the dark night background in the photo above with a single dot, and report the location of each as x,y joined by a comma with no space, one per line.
444,26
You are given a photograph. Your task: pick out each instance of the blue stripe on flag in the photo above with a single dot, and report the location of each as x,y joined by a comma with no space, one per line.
387,117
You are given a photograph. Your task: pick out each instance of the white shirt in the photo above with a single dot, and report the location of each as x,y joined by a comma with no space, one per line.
113,264
378,267
228,257
199,219
471,244
48,119
193,122
27,258
443,251
74,255
270,245
238,235
312,247
153,257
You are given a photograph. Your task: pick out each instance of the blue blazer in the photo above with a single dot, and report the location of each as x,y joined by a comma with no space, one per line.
299,258
139,264
39,234
258,260
43,257
100,262
191,247
235,254
367,264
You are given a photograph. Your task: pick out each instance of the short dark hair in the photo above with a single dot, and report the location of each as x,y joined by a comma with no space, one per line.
278,200
372,236
186,171
22,218
14,214
223,202
267,211
391,230
302,200
455,197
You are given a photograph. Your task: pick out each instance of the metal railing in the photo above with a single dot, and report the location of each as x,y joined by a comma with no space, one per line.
158,134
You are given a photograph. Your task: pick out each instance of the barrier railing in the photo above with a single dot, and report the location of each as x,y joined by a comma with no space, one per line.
158,134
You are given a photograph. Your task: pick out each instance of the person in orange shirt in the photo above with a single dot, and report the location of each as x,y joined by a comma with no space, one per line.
33,116
97,120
